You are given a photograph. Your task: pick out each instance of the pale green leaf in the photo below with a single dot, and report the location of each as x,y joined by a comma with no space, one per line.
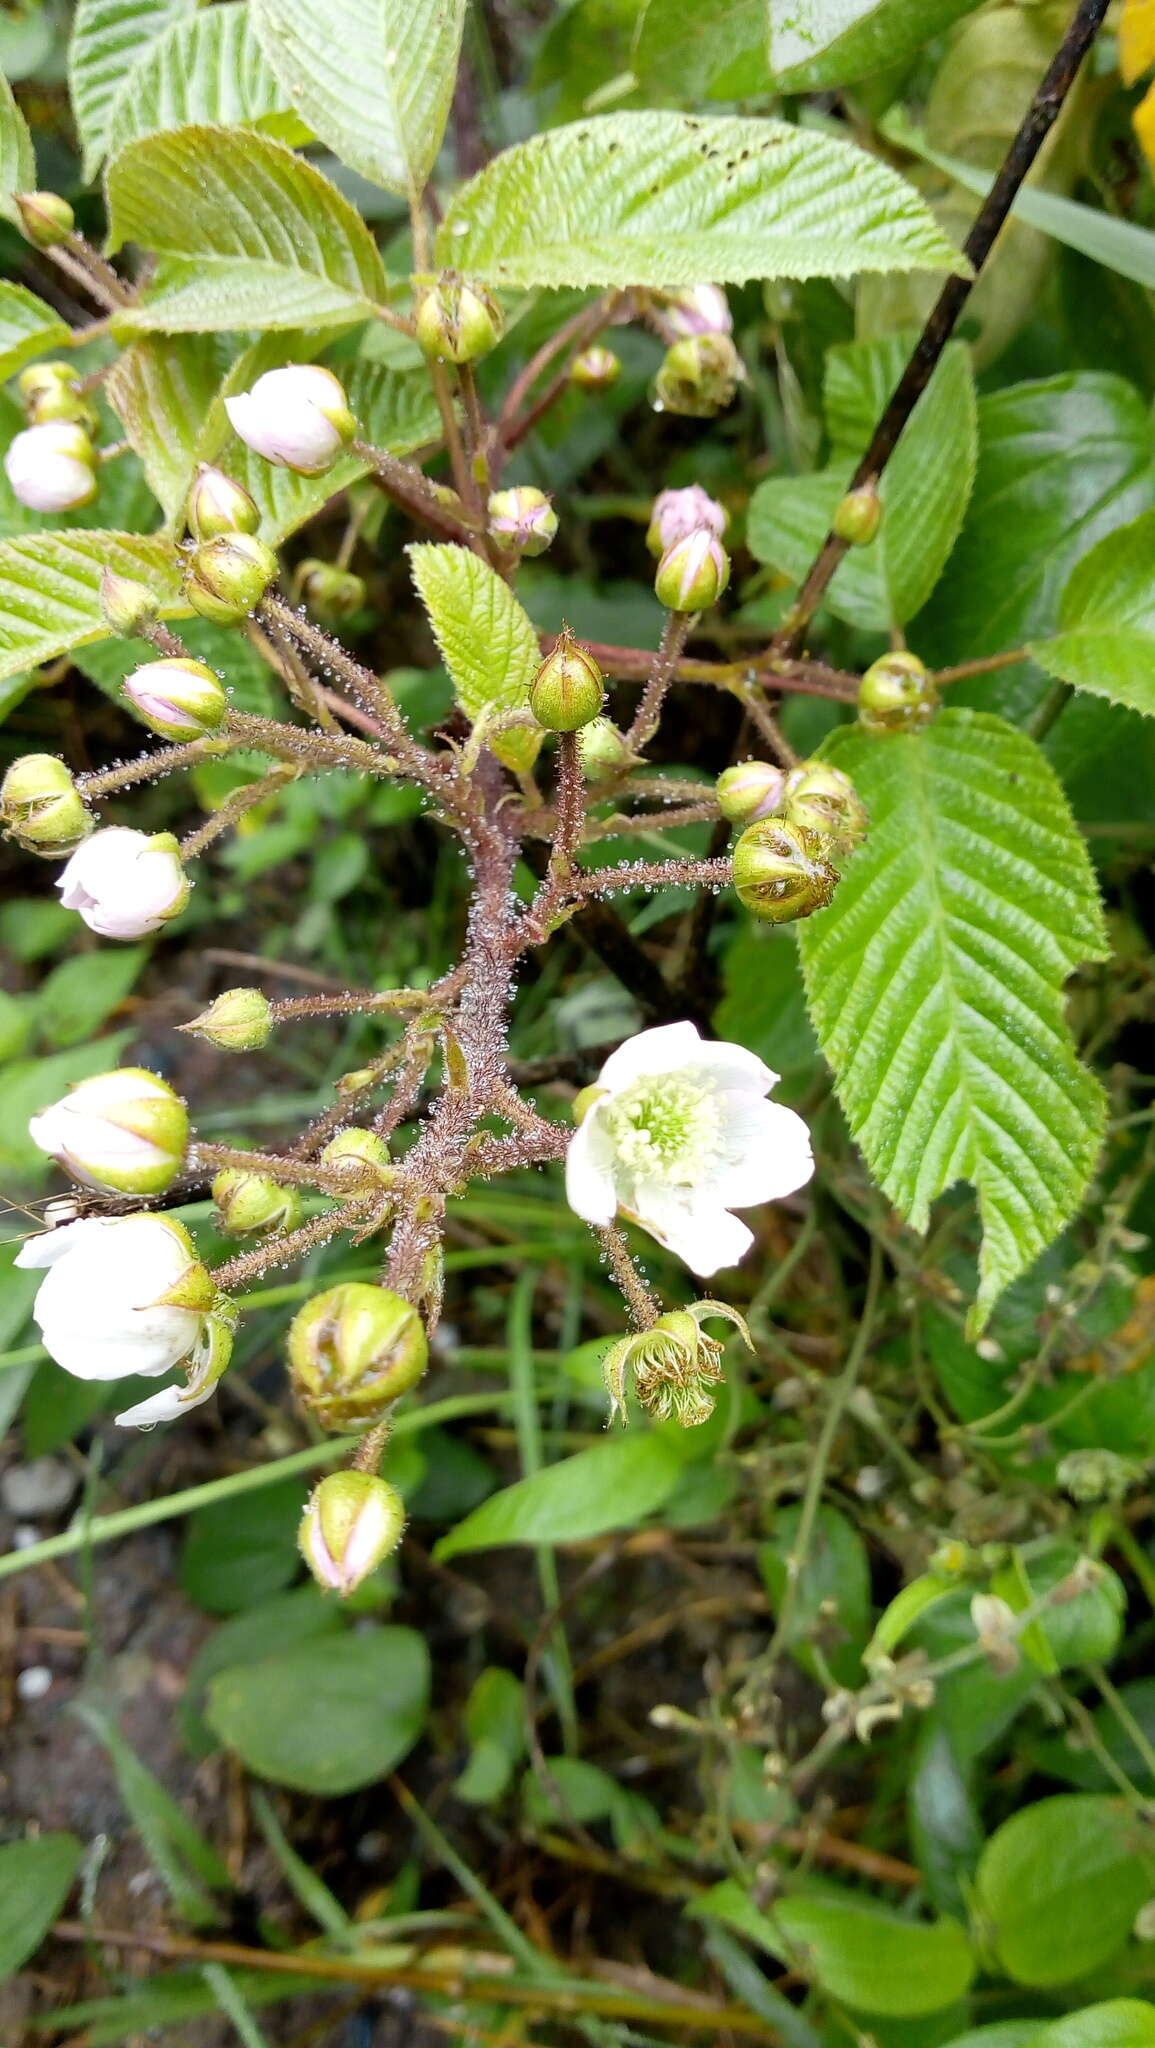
924,490
249,235
935,981
27,328
109,37
35,1879
876,1960
347,1709
374,78
1106,638
1116,2023
715,49
50,589
1059,1884
206,68
160,390
486,640
819,43
666,199
612,1486
17,158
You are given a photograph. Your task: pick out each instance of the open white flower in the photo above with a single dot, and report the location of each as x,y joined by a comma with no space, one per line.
127,1295
125,884
677,1133
297,417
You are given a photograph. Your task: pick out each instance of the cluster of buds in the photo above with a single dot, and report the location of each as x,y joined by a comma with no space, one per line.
125,1132
352,1523
456,320
522,521
51,466
796,823
353,1350
568,690
676,1367
685,531
897,694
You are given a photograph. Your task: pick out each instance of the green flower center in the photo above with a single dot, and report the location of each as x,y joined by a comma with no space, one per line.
665,1128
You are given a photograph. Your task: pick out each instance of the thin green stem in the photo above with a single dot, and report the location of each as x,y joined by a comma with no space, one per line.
527,1422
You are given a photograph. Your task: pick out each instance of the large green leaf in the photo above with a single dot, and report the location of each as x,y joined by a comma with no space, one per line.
374,78
1059,1885
205,67
612,1486
935,982
664,199
347,1709
161,390
17,158
35,1879
109,37
50,589
876,1961
27,328
819,43
924,490
249,235
1106,641
487,641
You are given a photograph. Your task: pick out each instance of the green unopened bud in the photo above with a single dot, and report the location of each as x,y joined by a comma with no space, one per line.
693,573
1098,1475
45,217
780,873
749,791
522,520
127,607
858,516
240,1020
456,322
356,1081
217,505
819,798
361,1159
253,1204
596,369
353,1522
603,750
352,1351
40,378
699,376
42,808
226,578
567,692
332,594
896,694
52,392
177,697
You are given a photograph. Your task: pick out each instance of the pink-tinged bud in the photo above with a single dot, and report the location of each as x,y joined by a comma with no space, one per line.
897,694
456,322
677,514
858,516
749,791
254,1204
700,309
298,418
125,884
126,1132
177,697
596,369
522,520
692,574
51,467
127,607
353,1522
353,1350
45,217
217,505
780,873
568,690
240,1020
42,808
332,594
360,1159
226,578
699,376
819,798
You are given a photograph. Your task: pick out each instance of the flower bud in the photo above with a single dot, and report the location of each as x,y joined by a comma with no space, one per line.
699,309
52,391
253,1204
780,874
177,697
819,798
567,691
1098,1475
217,505
51,467
678,514
456,322
699,376
45,217
352,1351
125,884
126,1131
240,1020
361,1159
297,417
858,516
352,1523
226,578
128,608
596,369
603,750
332,594
693,573
749,791
42,808
896,694
522,520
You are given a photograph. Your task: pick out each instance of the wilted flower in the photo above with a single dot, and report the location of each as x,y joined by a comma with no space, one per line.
52,467
675,1133
675,1365
699,376
225,578
297,417
820,798
126,1131
125,884
177,697
781,872
352,1523
897,694
677,514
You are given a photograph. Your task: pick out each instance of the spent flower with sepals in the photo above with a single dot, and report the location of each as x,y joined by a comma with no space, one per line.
675,1365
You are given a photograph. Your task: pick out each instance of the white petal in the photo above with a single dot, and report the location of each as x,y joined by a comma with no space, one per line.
697,1230
50,1245
589,1176
165,1406
731,1066
664,1050
248,420
766,1152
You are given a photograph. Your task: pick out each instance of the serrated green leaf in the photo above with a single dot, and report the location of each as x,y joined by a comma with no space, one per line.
666,199
935,983
612,1486
819,43
17,157
161,390
374,78
27,328
249,235
1106,641
109,38
486,640
924,490
206,68
50,589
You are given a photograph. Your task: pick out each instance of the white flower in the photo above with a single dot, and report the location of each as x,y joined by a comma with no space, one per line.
127,1295
700,309
126,1130
50,467
125,884
297,417
677,1134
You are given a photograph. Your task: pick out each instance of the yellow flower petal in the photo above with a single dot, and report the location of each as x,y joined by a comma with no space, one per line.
1136,41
